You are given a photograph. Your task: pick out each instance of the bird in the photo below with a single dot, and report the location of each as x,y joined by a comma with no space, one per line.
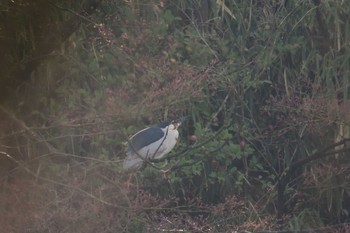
151,143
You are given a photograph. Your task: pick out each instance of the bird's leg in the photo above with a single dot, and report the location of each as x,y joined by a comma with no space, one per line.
165,172
128,182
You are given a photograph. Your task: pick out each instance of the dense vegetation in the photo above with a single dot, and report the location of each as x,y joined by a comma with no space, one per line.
264,83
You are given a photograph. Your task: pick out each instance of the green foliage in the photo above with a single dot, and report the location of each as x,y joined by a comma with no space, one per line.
308,219
265,84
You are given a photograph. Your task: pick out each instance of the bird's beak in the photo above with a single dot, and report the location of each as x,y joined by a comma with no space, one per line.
180,121
177,124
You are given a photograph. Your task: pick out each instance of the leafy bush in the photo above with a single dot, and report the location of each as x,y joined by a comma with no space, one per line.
265,84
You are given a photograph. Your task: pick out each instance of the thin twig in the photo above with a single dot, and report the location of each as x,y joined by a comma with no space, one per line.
61,184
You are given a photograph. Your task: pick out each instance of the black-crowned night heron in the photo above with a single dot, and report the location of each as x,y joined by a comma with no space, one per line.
151,143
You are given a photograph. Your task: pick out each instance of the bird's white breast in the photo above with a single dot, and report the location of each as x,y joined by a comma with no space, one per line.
170,141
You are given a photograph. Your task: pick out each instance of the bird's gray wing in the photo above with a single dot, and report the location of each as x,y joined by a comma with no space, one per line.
144,138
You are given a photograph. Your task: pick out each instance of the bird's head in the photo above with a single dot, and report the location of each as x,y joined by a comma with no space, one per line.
173,125
176,123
